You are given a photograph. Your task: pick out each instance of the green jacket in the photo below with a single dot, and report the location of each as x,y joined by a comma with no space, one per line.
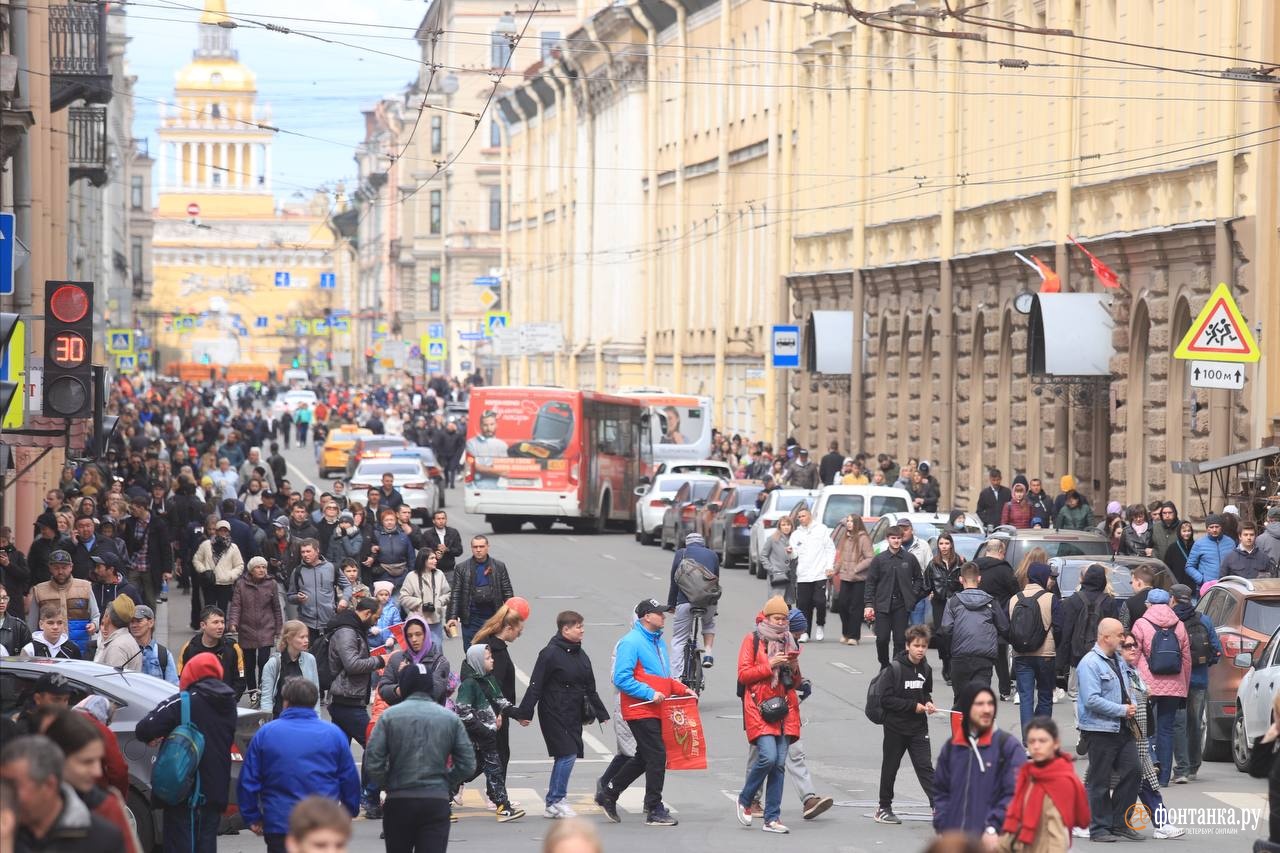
1079,518
410,746
479,699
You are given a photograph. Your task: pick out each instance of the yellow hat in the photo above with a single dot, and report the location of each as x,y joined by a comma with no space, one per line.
776,606
1067,482
121,611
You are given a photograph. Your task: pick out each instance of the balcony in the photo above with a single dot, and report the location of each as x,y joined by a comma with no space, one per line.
87,157
78,54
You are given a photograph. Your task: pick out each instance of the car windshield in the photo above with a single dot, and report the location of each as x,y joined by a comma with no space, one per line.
377,469
1119,578
125,687
838,506
786,503
701,488
1261,614
1059,548
699,468
747,495
668,487
967,546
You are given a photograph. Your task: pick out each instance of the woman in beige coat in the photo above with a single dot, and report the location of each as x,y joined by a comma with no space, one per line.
853,557
219,558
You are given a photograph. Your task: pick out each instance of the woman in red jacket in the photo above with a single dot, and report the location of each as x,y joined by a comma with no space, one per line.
767,674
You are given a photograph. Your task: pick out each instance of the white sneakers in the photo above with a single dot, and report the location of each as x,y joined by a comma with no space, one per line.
775,826
743,813
804,638
559,811
817,636
1169,831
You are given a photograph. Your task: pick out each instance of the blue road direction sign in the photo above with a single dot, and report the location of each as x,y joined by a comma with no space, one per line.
786,346
435,330
487,281
471,336
328,281
7,245
282,279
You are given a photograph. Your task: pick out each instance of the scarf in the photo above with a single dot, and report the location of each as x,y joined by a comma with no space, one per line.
475,658
777,639
1057,779
417,656
1139,528
220,547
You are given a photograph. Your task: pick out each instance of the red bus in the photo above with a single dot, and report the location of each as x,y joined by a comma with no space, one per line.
549,454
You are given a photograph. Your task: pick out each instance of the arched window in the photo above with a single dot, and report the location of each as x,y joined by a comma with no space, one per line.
1135,403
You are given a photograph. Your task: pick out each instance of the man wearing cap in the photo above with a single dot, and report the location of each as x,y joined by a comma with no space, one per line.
212,639
157,660
213,712
47,540
73,595
1205,560
146,538
116,646
926,493
1206,650
642,674
219,564
801,473
108,584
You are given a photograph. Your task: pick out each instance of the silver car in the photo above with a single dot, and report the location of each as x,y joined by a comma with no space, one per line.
651,504
410,477
780,502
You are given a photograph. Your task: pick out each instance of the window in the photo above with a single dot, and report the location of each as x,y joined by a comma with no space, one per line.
435,211
216,111
435,289
135,192
549,39
135,258
495,208
495,134
437,134
499,50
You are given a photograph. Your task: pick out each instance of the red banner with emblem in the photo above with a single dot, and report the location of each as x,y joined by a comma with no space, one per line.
683,735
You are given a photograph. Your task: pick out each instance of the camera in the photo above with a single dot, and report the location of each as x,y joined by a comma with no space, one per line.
786,677
429,607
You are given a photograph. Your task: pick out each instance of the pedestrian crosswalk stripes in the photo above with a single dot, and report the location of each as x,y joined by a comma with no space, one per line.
532,801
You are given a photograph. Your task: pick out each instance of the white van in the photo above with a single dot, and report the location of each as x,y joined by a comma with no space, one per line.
836,502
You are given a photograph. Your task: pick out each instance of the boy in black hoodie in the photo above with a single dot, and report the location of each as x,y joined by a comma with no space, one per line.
907,701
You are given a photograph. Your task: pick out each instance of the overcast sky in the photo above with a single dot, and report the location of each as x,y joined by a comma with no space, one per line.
313,88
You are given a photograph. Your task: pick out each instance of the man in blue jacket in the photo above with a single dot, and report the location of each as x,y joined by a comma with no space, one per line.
1204,563
695,548
1105,711
292,758
978,767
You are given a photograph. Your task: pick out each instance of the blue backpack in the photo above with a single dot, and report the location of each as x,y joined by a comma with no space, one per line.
175,777
1166,653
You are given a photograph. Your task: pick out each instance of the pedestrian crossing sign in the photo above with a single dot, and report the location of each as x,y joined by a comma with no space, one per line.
120,341
496,320
1219,332
319,326
125,363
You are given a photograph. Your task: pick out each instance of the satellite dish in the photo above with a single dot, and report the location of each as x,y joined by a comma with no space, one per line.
449,84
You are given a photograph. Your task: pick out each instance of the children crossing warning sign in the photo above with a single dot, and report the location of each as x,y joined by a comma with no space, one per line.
1219,333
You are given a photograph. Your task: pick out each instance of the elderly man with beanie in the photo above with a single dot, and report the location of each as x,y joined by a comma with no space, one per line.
1204,563
977,769
1206,650
695,549
116,646
213,712
1034,668
1164,661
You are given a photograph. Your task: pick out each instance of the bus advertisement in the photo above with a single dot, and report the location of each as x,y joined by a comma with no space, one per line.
548,454
680,424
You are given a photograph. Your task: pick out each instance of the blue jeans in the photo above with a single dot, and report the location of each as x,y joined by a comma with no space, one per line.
1034,674
1166,711
770,766
437,634
558,787
920,612
352,719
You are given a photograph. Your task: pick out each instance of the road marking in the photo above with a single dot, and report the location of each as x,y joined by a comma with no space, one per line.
608,556
588,738
307,481
844,666
571,539
651,577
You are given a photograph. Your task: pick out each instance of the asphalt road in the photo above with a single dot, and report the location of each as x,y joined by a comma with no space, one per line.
603,577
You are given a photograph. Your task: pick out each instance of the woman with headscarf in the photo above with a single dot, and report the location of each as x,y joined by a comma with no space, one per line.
854,554
563,687
482,708
420,648
768,671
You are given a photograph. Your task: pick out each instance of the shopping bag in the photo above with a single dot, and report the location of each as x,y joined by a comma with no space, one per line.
683,735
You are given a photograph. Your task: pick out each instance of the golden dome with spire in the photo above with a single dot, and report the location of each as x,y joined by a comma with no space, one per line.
215,67
215,12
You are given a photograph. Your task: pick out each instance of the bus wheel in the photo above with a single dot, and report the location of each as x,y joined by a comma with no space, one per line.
542,525
506,524
602,520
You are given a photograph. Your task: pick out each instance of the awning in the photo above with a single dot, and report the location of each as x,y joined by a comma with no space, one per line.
1070,335
828,342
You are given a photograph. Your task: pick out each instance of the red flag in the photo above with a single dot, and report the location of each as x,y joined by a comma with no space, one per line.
1049,280
683,735
1105,274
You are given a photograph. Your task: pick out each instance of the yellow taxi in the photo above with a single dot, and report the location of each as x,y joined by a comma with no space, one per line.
337,446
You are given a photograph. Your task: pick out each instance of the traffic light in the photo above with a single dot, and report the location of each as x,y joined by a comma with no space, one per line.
68,346
8,389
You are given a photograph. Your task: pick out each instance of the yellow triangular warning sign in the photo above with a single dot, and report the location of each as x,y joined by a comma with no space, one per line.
1219,333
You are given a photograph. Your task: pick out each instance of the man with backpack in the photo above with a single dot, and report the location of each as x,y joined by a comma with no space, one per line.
894,582
974,624
213,639
977,768
1081,614
1035,623
157,661
1206,650
316,588
1001,583
1164,661
345,649
900,698
192,824
695,563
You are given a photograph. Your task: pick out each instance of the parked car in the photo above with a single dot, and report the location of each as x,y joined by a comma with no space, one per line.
707,467
1245,614
1058,543
409,476
367,444
938,520
134,695
291,401
715,501
1255,697
780,502
337,449
1069,571
928,526
652,501
429,461
729,530
869,502
677,521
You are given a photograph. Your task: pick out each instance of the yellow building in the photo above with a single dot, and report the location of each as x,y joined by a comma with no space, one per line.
237,277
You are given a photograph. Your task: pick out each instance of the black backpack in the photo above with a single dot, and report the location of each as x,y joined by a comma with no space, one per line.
1084,633
1198,637
321,653
875,692
1027,632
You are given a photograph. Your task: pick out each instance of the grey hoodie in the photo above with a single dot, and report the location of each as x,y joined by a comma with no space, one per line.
322,600
975,623
1268,542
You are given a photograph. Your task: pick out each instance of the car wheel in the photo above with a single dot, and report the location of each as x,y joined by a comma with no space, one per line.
1240,743
542,525
646,538
1213,748
602,520
138,811
726,557
505,524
